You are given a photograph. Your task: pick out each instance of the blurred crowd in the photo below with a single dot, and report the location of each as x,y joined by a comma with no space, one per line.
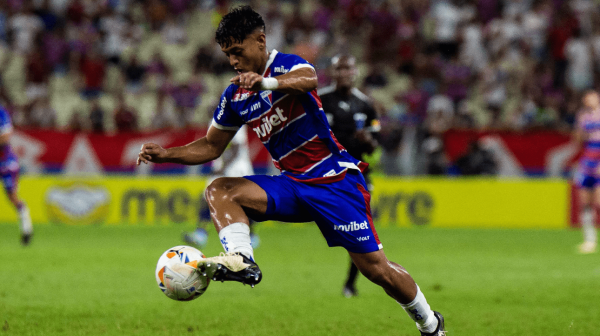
430,65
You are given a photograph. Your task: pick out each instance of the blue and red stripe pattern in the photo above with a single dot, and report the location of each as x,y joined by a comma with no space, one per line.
293,128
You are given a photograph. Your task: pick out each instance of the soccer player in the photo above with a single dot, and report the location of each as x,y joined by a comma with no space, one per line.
587,132
9,170
234,162
275,95
354,123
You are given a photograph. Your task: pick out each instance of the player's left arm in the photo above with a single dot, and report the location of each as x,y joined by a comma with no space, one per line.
295,82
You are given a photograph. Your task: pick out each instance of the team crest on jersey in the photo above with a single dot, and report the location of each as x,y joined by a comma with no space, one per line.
267,97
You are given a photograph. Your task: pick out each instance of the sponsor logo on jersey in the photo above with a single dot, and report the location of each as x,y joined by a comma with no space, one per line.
280,69
241,96
353,226
268,122
222,108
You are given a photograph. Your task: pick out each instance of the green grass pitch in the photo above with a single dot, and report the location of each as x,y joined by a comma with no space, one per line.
100,281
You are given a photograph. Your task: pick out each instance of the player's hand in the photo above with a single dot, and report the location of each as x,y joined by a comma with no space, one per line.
152,153
248,80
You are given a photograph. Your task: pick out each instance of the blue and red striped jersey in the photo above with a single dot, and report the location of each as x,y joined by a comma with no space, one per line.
6,126
293,128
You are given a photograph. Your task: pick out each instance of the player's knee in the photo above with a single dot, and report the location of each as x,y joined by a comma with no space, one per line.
221,189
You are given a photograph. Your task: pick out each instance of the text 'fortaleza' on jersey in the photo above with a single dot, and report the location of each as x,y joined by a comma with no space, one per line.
293,128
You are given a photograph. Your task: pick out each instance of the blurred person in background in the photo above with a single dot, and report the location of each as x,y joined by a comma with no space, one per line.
9,171
477,161
235,162
37,77
93,69
135,73
25,26
354,123
587,133
126,119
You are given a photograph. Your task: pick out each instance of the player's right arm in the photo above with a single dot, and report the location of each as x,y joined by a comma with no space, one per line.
226,123
198,152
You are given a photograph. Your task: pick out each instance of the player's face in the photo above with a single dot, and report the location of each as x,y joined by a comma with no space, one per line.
591,100
249,55
344,72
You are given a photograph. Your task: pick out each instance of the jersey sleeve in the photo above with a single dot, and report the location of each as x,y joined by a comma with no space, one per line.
295,62
225,118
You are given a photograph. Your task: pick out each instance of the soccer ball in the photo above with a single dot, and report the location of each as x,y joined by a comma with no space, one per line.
177,276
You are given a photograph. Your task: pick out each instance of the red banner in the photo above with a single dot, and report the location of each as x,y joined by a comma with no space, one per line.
518,153
52,151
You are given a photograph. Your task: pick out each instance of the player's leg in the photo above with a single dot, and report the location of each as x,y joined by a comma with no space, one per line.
229,200
9,181
233,200
398,284
350,284
199,237
587,214
254,238
351,226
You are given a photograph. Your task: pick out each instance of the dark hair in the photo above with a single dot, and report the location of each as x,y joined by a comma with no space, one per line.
236,25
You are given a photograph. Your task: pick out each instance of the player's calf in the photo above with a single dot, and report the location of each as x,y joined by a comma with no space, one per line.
398,284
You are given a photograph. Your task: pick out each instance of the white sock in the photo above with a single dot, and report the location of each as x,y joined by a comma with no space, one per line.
587,225
25,220
421,313
236,238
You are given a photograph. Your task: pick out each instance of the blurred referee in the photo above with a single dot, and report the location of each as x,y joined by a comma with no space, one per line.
354,123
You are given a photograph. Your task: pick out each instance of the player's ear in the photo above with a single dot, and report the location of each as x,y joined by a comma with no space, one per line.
261,39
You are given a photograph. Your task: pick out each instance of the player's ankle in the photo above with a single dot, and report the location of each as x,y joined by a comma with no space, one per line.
420,312
235,238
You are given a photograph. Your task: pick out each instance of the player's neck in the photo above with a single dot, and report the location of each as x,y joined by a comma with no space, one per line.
263,64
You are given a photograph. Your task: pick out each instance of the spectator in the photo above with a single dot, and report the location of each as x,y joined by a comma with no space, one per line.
441,104
42,115
115,28
125,117
56,49
134,75
477,161
187,98
447,18
560,32
37,76
97,117
25,27
173,32
580,65
93,70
